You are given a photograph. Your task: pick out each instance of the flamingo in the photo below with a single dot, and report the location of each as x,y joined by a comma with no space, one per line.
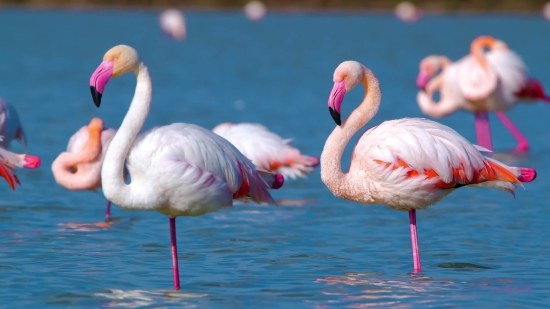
178,170
407,12
406,164
267,149
10,126
9,161
79,168
479,83
255,10
172,22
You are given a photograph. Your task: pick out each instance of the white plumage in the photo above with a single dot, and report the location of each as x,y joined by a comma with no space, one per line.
185,170
267,149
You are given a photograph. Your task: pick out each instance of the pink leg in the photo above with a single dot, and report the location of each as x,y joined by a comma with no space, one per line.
174,253
108,212
523,144
483,130
414,240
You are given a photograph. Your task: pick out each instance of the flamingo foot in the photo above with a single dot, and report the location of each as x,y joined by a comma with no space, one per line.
522,147
174,254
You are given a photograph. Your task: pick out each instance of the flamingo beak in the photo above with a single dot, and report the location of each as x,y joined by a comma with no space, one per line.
422,80
335,100
99,79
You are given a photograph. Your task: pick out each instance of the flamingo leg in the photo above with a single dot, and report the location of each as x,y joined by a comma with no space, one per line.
414,240
108,212
483,130
174,253
523,144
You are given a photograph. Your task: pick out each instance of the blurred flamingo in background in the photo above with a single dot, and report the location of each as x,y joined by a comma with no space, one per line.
178,170
408,12
406,164
10,126
479,82
9,161
172,22
267,149
546,11
255,10
79,168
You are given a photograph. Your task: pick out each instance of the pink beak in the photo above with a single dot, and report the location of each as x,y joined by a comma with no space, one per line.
422,80
335,100
99,79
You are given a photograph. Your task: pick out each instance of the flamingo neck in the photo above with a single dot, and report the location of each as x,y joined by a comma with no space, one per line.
444,107
74,180
112,173
477,49
339,183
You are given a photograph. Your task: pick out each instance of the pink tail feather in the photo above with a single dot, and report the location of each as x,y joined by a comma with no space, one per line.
527,174
256,183
31,161
533,90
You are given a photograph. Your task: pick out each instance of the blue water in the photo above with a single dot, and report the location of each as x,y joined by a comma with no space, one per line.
479,247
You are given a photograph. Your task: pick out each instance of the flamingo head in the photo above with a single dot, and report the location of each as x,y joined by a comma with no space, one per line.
118,61
346,76
429,66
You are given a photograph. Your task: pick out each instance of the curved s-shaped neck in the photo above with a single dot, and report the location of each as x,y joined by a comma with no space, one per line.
112,176
331,158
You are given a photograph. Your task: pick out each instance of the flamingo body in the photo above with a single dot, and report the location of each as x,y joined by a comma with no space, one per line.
186,170
412,163
77,143
267,149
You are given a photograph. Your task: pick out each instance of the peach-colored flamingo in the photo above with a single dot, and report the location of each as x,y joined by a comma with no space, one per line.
480,82
406,164
79,168
179,169
9,161
267,150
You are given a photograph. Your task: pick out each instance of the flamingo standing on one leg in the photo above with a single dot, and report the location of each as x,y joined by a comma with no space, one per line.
406,164
9,161
10,126
480,82
79,168
178,170
267,149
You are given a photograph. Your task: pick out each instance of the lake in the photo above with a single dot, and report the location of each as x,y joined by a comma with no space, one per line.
480,248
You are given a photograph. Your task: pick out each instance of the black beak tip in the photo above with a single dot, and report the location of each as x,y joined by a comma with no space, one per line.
96,96
335,115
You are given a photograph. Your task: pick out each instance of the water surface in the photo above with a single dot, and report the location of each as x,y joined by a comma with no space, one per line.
479,248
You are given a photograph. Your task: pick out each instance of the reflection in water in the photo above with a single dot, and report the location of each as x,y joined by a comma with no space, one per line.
368,292
139,298
87,227
281,202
